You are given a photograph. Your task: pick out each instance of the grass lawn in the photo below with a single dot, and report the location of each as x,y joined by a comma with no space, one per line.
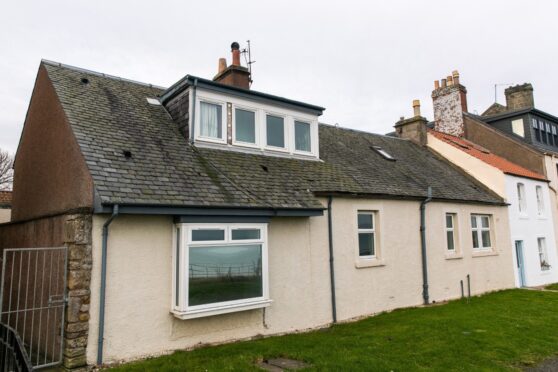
553,286
500,331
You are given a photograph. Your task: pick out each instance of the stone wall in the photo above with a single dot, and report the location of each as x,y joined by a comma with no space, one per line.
77,238
449,105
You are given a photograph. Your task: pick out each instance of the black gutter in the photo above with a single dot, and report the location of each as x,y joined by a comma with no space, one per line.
211,211
103,285
423,245
331,266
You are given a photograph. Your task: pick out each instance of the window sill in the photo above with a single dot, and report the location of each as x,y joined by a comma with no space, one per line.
454,256
192,314
523,217
484,253
371,262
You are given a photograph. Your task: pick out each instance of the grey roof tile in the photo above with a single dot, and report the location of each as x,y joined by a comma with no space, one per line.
110,115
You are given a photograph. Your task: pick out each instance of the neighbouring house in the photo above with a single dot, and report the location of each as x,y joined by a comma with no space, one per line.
209,212
5,206
528,192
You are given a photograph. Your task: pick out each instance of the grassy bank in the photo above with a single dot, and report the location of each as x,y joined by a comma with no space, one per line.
499,331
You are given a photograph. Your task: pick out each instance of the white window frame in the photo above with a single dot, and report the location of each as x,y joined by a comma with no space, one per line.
301,152
540,200
479,229
223,105
543,253
521,198
453,229
256,126
286,131
367,231
261,109
179,306
518,127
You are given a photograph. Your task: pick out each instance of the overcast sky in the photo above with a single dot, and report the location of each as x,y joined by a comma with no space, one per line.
363,61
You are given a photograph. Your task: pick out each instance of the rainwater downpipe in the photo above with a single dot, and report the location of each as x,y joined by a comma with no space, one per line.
103,284
331,266
423,245
194,111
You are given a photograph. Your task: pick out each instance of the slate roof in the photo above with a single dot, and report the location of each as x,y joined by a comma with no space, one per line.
486,156
5,199
110,115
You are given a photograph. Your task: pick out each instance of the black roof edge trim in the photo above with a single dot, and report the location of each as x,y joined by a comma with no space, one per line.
405,197
222,219
210,211
244,93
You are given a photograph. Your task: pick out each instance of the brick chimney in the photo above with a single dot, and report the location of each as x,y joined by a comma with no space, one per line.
449,98
520,97
413,129
235,74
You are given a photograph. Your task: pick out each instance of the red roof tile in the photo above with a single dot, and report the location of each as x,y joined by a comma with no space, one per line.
486,156
5,198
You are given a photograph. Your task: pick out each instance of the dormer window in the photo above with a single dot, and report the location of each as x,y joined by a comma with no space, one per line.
249,125
245,121
211,120
275,131
302,136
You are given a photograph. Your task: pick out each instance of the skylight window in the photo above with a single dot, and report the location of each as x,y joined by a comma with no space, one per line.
382,152
153,101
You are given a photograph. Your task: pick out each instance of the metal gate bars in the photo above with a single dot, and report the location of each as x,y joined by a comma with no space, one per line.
32,301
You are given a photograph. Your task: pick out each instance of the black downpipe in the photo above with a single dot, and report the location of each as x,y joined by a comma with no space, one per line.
423,245
331,266
103,284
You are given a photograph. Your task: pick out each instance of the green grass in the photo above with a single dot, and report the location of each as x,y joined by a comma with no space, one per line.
501,331
553,287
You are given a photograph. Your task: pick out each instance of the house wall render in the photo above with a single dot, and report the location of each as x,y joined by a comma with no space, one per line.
139,280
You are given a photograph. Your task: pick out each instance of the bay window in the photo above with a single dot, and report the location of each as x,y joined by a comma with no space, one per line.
480,228
211,120
219,268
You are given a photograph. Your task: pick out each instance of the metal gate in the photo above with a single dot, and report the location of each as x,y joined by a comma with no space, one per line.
33,300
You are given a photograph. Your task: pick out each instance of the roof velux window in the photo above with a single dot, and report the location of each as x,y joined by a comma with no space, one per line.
153,101
382,152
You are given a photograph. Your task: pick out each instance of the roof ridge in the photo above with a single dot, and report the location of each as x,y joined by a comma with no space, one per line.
92,72
336,126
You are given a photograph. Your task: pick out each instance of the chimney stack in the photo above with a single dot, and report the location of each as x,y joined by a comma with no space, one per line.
413,129
519,97
235,75
450,102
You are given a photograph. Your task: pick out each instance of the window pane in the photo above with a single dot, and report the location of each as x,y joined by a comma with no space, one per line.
245,126
449,221
302,136
474,221
475,239
208,234
365,221
245,234
224,273
275,131
449,236
484,221
486,239
366,244
210,118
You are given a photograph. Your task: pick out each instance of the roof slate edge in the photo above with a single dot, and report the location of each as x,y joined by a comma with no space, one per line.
189,80
507,114
96,73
